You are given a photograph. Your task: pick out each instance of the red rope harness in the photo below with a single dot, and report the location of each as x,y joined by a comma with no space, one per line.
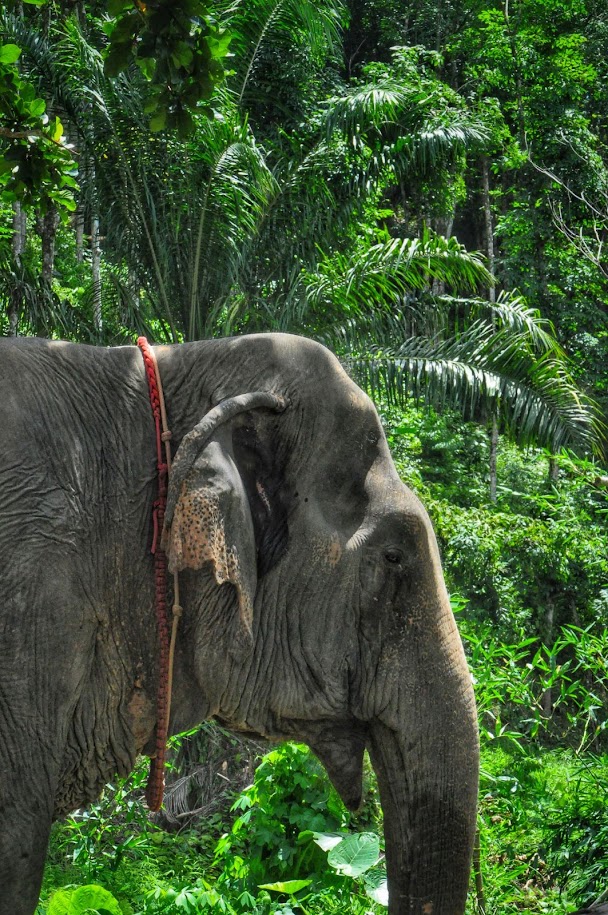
156,778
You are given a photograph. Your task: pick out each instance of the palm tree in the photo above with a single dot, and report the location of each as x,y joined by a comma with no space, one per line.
219,232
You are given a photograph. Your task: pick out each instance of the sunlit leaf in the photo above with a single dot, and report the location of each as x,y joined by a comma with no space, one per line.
326,841
9,53
286,886
355,854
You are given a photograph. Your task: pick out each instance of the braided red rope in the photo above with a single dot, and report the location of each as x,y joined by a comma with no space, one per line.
156,778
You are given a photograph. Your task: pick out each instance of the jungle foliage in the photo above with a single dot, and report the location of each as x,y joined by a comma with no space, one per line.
423,186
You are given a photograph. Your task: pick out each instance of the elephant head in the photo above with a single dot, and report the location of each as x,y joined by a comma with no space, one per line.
315,606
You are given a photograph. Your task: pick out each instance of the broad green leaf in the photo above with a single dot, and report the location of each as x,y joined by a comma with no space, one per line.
355,854
118,58
147,65
158,121
376,888
83,899
64,199
182,55
327,841
37,107
285,886
9,53
218,44
60,903
94,897
57,130
116,7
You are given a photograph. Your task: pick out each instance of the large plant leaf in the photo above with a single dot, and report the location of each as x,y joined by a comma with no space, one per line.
286,886
327,841
376,887
255,23
355,854
83,899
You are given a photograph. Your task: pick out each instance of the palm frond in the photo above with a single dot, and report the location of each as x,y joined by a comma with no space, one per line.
237,196
408,127
382,275
511,313
479,371
256,22
372,106
438,140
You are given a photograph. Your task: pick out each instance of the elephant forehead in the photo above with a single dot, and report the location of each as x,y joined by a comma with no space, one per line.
390,498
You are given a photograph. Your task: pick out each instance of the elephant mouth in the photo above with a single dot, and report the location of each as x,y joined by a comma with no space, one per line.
339,746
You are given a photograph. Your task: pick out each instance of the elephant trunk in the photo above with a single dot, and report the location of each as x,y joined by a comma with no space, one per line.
424,749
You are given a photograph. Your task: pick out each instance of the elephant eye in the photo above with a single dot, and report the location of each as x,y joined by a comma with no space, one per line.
393,556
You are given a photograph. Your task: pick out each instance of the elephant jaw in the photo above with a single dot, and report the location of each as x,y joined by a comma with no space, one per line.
340,748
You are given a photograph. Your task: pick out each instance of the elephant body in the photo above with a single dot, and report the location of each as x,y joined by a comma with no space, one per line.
314,604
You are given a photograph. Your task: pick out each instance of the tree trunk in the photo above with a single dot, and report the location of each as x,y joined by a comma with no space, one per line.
489,228
96,269
79,230
493,458
19,237
489,232
553,469
50,221
519,93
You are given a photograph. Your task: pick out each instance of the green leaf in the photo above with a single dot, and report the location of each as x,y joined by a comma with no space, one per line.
118,58
57,130
9,53
285,886
147,65
83,899
218,46
182,55
37,107
158,121
376,888
355,854
64,199
116,7
327,841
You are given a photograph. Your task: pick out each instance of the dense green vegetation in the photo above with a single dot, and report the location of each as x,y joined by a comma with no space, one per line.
424,187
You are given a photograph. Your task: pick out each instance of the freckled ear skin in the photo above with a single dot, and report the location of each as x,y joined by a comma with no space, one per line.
212,524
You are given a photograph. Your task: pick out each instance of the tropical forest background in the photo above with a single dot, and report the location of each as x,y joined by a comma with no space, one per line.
422,185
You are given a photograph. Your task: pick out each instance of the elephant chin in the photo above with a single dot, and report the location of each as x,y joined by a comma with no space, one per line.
341,752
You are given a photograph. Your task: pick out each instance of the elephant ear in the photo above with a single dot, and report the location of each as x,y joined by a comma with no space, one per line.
212,524
208,518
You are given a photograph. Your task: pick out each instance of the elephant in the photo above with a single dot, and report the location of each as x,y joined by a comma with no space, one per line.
314,605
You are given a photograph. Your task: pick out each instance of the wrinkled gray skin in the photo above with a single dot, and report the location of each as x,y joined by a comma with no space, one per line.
352,642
